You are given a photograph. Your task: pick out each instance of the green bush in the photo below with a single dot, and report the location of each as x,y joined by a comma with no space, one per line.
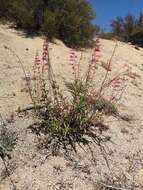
137,38
128,29
4,9
49,25
107,35
23,15
69,20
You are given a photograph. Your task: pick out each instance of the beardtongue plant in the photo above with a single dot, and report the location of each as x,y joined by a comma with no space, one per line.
65,122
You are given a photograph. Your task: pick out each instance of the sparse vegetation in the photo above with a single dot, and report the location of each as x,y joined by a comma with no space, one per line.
128,29
8,141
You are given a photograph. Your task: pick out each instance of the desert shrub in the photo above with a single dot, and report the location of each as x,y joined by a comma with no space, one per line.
49,25
137,38
64,121
123,28
128,29
4,7
69,20
22,13
107,35
7,140
117,26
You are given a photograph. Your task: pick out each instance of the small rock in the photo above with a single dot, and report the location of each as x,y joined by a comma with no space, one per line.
13,94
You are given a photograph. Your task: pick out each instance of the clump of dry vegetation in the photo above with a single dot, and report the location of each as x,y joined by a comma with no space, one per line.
8,140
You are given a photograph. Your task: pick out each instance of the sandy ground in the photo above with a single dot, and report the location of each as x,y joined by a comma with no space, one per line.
34,170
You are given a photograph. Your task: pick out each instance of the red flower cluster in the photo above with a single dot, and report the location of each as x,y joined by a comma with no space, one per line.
36,66
41,63
95,54
73,63
118,84
45,54
94,59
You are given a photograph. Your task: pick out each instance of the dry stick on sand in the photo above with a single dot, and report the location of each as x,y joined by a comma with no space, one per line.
110,187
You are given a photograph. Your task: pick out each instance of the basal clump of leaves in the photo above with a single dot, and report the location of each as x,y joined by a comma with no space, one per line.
65,122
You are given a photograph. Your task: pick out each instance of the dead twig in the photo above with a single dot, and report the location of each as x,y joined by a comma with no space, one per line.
7,171
110,187
109,65
29,108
